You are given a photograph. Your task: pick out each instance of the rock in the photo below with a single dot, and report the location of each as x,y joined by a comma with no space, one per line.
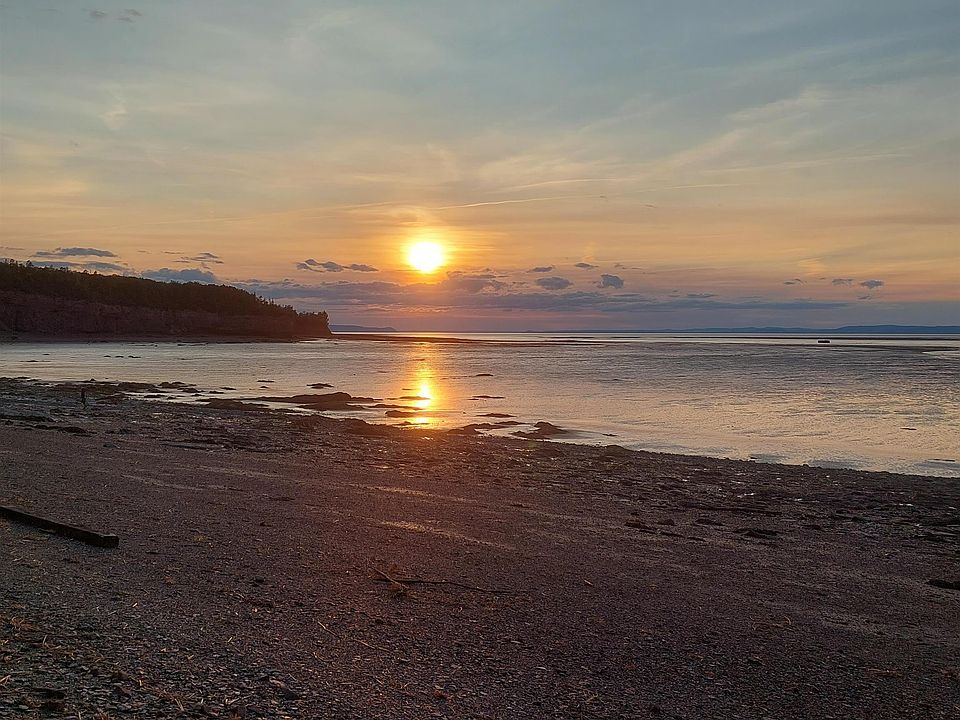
225,404
325,401
542,430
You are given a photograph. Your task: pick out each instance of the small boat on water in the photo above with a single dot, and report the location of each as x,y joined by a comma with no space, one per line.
823,342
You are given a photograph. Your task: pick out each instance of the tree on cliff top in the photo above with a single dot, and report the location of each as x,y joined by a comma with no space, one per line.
129,291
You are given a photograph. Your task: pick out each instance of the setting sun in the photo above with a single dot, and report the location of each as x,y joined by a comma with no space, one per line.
425,256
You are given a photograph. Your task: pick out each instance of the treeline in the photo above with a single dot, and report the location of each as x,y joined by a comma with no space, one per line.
60,301
134,291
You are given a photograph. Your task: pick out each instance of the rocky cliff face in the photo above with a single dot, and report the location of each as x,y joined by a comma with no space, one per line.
30,313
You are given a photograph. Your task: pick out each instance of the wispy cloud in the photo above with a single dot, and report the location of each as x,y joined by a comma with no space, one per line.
64,252
330,266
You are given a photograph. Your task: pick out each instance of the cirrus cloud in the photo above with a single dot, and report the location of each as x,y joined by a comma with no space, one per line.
63,252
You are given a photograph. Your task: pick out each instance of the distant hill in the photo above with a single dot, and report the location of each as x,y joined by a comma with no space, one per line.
362,329
65,303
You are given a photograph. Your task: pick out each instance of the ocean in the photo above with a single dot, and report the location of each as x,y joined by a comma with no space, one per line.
889,403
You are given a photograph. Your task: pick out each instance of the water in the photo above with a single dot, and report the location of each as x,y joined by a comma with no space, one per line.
870,403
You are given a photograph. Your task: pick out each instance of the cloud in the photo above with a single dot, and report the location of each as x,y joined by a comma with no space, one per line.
187,275
115,117
842,281
793,281
541,269
610,281
554,283
204,258
472,283
93,266
74,252
330,266
97,14
463,291
872,284
585,266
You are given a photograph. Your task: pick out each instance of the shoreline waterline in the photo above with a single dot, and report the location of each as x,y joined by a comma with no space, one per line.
875,408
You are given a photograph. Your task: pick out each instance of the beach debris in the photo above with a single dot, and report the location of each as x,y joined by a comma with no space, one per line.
757,533
744,509
937,536
400,584
63,428
77,533
944,584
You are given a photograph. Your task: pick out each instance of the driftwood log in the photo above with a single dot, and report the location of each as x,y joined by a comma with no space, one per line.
77,533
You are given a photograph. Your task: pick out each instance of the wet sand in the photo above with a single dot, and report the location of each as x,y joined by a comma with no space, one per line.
280,565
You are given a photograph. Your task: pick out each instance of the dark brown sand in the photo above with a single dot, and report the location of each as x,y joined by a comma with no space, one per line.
264,556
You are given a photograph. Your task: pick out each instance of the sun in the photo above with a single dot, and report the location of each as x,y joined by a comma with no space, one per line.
425,256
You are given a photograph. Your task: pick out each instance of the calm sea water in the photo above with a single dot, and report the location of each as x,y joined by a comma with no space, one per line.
870,403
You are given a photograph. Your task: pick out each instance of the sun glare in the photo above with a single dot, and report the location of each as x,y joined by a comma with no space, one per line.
425,256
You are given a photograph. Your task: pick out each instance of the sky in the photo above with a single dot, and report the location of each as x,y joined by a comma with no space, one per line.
613,165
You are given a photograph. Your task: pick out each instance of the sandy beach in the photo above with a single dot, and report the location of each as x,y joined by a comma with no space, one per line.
276,565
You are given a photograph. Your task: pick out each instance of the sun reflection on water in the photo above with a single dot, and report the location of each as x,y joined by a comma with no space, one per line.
426,395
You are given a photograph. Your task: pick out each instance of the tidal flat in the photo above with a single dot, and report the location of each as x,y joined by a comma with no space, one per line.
274,564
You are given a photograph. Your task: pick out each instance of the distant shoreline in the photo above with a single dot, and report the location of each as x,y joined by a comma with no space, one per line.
452,339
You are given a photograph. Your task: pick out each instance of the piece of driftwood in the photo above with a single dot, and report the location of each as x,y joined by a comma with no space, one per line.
381,575
82,534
